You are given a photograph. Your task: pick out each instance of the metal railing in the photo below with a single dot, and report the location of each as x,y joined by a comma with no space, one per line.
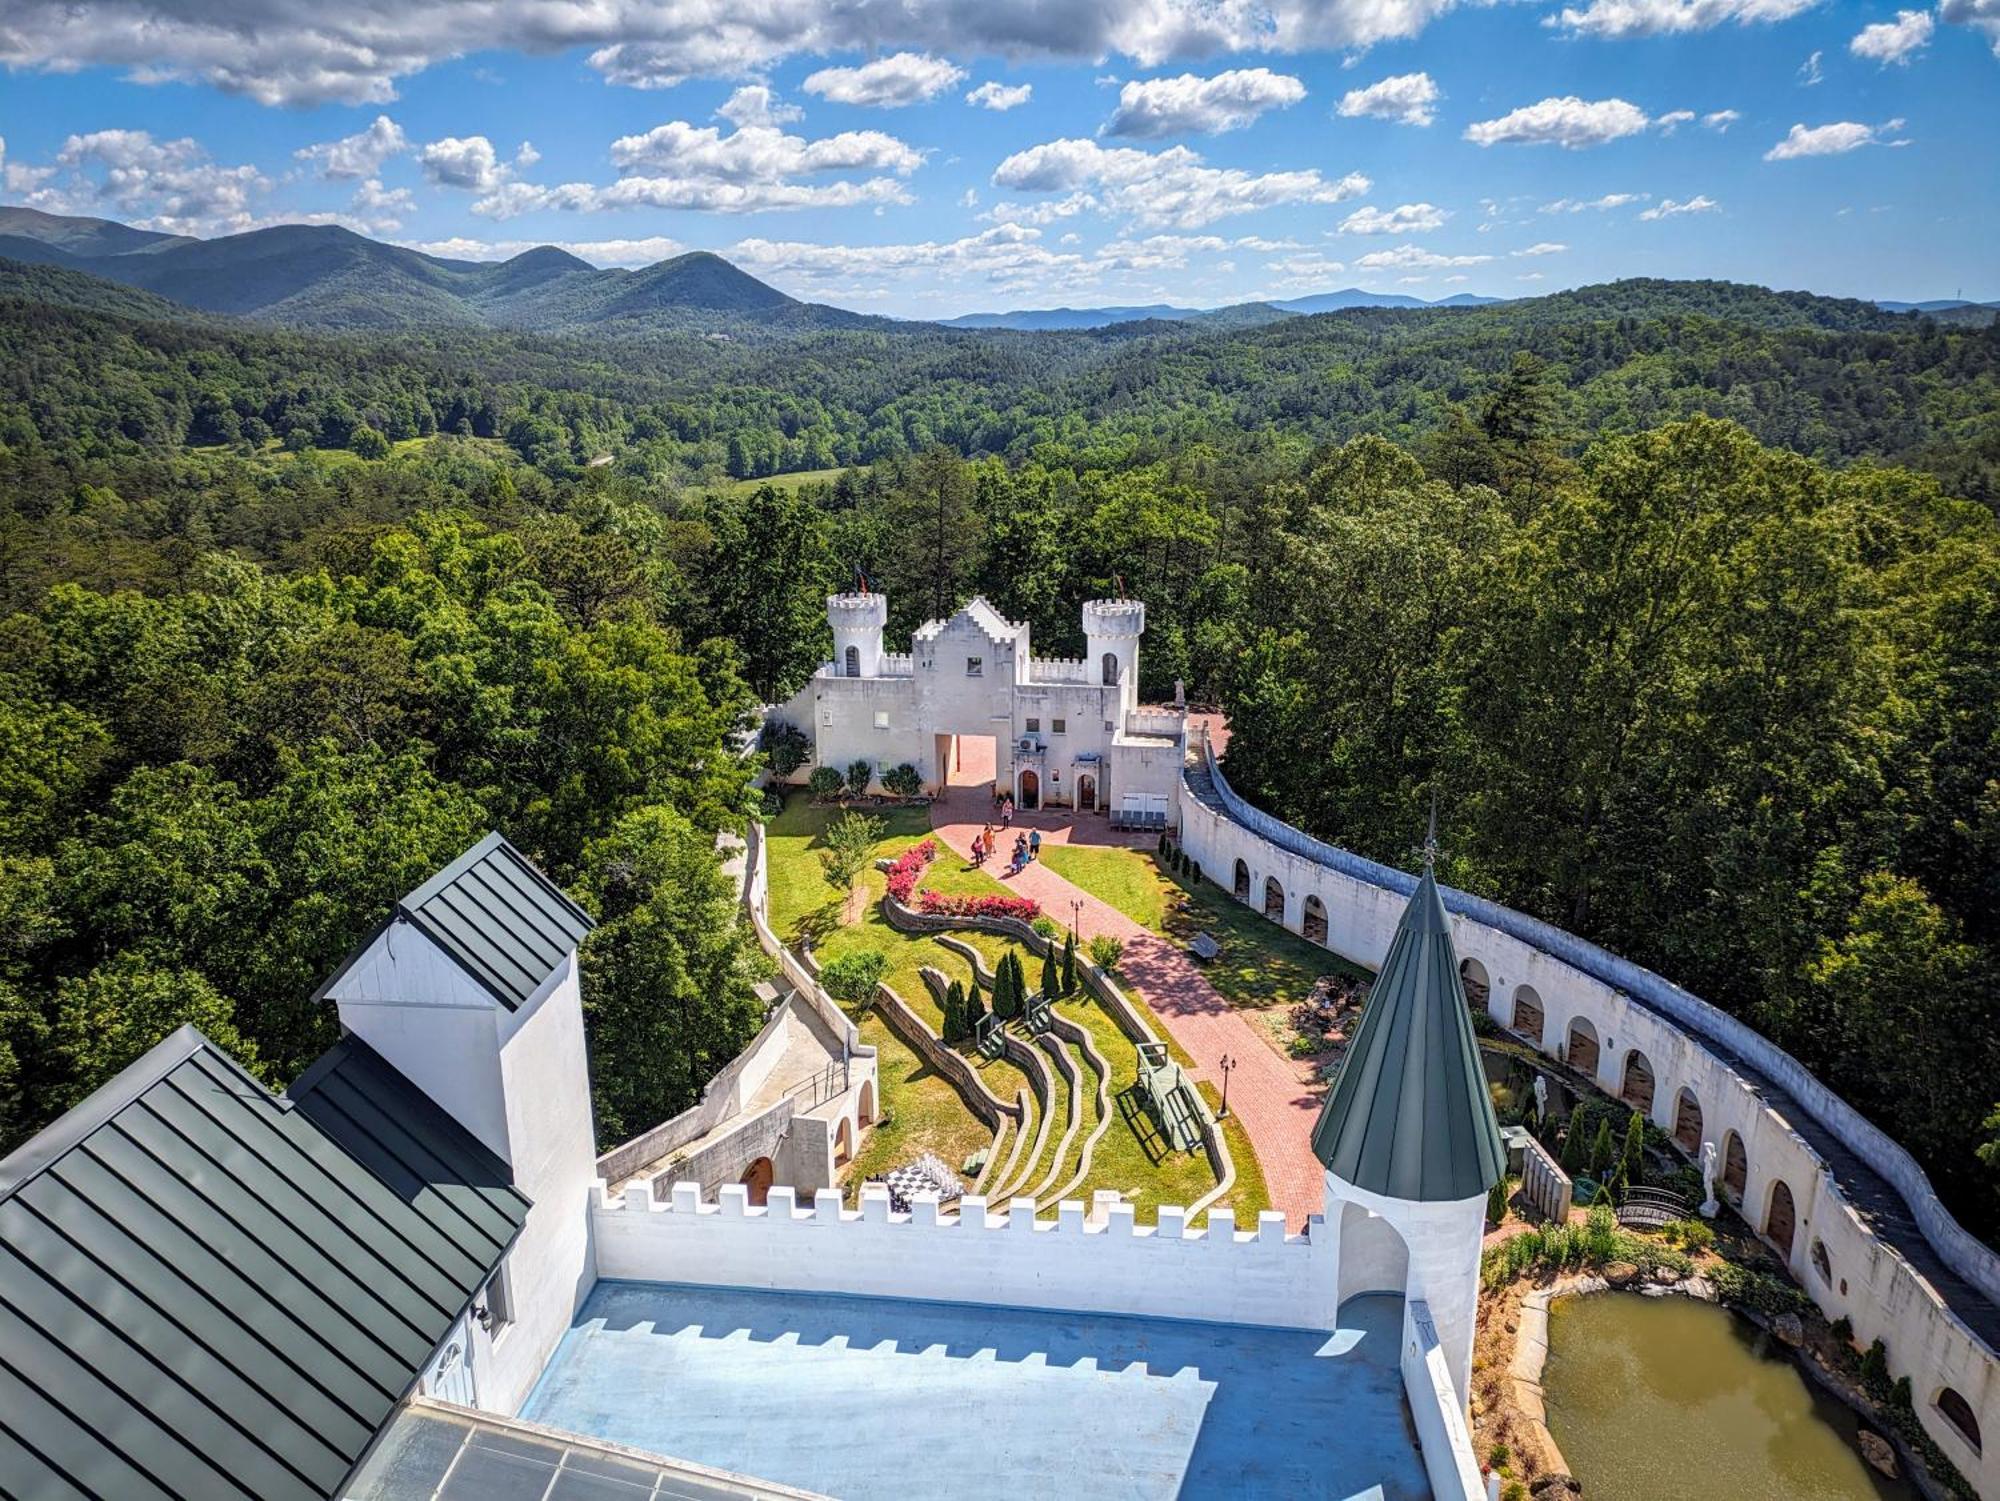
819,1087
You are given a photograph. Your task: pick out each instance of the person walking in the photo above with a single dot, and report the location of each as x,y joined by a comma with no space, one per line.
1034,844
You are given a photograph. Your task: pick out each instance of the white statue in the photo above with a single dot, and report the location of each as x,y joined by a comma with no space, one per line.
1708,1204
1541,1098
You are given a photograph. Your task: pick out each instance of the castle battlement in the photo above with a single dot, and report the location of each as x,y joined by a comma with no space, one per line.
1117,618
857,612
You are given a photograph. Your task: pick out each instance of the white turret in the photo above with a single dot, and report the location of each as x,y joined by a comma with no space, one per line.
857,621
1113,627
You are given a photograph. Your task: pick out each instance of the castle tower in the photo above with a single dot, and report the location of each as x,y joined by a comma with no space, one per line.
857,621
1407,1133
1112,628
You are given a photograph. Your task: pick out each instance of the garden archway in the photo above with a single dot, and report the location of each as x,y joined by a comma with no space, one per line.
1528,1017
1781,1220
865,1109
1312,922
1241,885
1735,1169
1687,1122
843,1143
1635,1085
1274,900
1582,1049
1478,986
757,1178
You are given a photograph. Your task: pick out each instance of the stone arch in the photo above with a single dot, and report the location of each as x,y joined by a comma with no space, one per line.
1374,1258
1582,1047
843,1142
1031,789
1822,1263
1687,1121
757,1178
1086,792
1274,899
1528,1016
1958,1412
1781,1218
1635,1082
1111,669
1476,983
864,1112
1735,1168
1312,920
1241,885
852,660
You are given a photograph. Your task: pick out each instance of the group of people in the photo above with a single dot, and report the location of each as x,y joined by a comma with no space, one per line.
1027,847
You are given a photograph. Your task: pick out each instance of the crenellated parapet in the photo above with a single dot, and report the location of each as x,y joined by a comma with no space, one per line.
1119,619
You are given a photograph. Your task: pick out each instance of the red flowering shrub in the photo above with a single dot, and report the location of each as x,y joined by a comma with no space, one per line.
908,869
937,905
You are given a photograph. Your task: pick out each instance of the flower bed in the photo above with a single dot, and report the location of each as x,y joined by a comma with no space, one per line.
908,868
935,904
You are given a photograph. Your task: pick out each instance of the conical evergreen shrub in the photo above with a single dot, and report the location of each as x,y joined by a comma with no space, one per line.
1069,963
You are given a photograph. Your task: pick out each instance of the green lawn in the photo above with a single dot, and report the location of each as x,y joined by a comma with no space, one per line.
1129,880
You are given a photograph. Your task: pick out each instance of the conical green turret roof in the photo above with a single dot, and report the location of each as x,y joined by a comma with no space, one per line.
1409,1117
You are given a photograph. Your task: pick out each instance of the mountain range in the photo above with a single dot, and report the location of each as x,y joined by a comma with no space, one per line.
1235,313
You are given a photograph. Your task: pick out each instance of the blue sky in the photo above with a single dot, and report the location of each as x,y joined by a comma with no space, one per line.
1192,151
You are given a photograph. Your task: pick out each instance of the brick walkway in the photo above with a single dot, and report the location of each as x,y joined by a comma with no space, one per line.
1269,1094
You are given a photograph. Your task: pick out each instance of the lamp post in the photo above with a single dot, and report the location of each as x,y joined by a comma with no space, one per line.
1076,918
1228,1066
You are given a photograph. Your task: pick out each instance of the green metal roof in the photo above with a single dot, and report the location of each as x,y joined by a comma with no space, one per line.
208,1291
501,920
1408,1116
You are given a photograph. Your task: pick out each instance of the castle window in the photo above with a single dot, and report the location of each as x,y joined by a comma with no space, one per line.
975,667
1058,726
1034,727
1111,669
854,661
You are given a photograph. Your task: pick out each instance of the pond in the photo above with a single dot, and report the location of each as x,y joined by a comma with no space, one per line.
1670,1399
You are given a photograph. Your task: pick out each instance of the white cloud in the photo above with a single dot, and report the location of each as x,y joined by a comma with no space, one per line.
1628,18
1298,272
888,82
381,209
468,162
1668,208
165,185
1720,120
1832,140
1193,105
1048,212
759,153
1809,71
1673,120
1529,276
525,155
1982,15
1601,205
1415,256
757,104
1170,187
995,95
642,252
1544,247
1894,41
1404,219
1406,98
1568,121
19,177
358,155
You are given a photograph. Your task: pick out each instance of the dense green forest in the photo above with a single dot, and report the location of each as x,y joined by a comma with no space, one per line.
1683,599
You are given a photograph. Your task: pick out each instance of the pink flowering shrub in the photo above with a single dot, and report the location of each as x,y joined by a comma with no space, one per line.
937,905
908,869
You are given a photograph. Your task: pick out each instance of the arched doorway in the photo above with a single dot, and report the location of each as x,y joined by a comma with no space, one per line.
1781,1222
1274,899
1031,789
1582,1051
843,1143
757,1178
1242,884
1086,792
1958,1412
1472,978
1735,1169
1636,1085
1687,1122
1373,1255
1111,669
1528,1019
1313,922
865,1110
854,661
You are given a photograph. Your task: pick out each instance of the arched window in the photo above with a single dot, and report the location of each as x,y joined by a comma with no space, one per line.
854,661
1528,1013
1242,886
1111,669
1274,899
1478,990
1687,1122
1821,1263
1313,922
1781,1222
1735,1168
1582,1053
1637,1086
1958,1412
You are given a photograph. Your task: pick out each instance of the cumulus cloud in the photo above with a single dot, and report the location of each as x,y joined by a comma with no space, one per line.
1833,140
1673,120
640,252
468,162
1809,71
1568,121
1628,18
19,177
1894,41
381,209
1668,208
283,52
1406,98
1982,15
1171,187
172,186
358,155
1193,105
757,104
1404,219
1415,257
994,95
888,82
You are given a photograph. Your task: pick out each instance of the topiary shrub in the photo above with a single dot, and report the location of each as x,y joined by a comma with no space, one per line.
825,784
902,781
859,775
1045,925
1496,1202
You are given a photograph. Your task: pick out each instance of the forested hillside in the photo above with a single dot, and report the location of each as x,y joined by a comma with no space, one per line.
1683,599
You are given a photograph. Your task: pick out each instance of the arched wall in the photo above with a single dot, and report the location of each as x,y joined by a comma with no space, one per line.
1885,1298
1373,1258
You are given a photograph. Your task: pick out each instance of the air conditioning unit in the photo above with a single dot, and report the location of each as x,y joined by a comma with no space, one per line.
1027,742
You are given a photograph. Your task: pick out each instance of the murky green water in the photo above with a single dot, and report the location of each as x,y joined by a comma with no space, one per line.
1668,1399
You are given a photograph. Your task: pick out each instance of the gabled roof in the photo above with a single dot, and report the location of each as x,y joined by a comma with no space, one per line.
206,1290
994,626
1409,1116
502,921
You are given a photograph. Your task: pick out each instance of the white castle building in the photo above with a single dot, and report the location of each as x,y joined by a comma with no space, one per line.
1066,733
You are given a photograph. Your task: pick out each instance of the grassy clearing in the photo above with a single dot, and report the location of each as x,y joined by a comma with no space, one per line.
1129,880
780,482
274,451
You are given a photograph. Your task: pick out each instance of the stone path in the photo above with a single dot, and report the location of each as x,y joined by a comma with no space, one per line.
1271,1095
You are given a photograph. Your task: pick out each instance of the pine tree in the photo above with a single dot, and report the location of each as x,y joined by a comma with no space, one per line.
1635,1149
954,1012
1003,990
1069,963
972,1011
1049,985
1575,1156
1017,985
1601,1149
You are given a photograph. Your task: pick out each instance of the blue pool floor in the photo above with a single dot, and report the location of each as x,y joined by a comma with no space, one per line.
866,1397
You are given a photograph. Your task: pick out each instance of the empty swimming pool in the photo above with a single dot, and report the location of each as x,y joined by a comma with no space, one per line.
857,1397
